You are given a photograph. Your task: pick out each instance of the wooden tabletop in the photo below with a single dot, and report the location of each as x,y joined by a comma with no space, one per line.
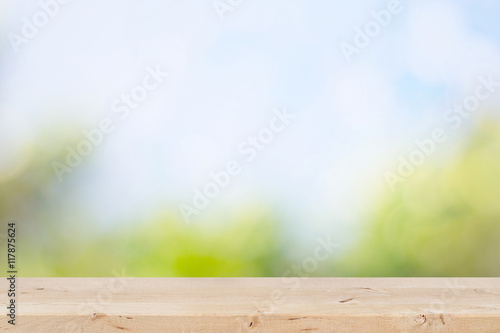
254,305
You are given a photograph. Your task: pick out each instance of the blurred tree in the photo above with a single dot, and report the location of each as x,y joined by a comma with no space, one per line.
440,221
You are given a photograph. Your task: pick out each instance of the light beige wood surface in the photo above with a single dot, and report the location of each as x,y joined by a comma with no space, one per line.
255,305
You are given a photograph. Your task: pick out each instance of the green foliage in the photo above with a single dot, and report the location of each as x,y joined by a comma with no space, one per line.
443,221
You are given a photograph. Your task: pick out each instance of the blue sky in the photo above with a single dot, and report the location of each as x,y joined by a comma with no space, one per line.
226,77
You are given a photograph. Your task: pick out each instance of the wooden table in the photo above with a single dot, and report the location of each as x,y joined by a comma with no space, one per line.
255,305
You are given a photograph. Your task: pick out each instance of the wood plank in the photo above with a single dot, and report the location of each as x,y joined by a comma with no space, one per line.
255,305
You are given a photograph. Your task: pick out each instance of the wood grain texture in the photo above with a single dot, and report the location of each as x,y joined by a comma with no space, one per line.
255,305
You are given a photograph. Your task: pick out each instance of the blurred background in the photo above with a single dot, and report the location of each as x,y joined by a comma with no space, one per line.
105,159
